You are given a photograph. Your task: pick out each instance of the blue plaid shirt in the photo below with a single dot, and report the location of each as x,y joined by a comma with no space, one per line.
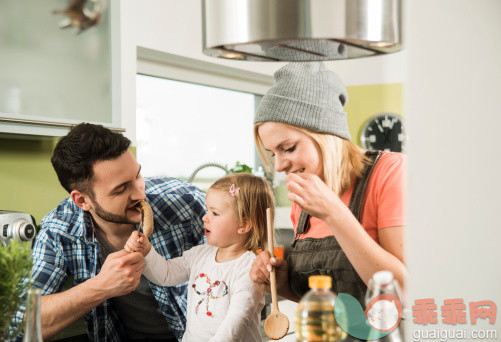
66,246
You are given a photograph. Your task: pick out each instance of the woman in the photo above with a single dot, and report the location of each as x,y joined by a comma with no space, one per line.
347,205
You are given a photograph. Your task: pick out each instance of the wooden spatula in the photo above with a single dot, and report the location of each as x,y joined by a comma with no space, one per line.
276,324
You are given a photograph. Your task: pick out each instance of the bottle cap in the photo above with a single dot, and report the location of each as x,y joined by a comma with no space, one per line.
320,282
383,277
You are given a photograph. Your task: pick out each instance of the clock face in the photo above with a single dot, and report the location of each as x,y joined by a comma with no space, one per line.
384,132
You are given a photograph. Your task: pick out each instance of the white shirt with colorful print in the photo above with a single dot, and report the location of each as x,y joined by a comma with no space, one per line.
223,303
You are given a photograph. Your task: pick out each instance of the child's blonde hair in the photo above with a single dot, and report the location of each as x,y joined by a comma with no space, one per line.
342,160
253,198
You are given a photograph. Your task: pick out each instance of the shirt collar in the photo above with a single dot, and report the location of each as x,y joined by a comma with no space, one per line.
88,227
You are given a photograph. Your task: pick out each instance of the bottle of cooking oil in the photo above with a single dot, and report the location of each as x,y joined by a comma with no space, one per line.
315,319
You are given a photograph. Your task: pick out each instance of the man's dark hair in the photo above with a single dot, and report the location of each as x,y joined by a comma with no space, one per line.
75,154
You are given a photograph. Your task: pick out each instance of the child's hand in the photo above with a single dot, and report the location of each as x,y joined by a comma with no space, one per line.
138,243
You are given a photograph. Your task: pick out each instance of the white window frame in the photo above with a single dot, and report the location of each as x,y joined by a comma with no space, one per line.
165,65
179,68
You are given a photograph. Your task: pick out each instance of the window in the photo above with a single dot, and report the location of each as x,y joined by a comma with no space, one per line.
181,126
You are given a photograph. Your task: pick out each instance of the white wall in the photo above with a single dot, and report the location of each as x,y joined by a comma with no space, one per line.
175,27
453,110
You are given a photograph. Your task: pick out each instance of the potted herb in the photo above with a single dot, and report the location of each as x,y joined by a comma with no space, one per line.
240,168
15,268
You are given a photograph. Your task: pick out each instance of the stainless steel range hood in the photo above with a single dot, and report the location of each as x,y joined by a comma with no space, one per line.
300,30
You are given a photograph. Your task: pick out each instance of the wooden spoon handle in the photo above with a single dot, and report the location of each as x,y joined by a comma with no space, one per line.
273,279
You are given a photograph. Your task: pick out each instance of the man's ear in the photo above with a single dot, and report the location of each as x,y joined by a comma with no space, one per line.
81,200
245,227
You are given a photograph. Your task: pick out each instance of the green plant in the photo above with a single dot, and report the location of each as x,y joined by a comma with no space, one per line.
15,268
240,168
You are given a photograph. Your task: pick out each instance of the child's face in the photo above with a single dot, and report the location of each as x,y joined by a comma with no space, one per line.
221,222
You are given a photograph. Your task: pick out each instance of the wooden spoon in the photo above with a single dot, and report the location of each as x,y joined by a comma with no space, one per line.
276,324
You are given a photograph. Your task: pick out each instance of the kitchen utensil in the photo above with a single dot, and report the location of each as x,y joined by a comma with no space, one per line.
16,225
300,30
276,324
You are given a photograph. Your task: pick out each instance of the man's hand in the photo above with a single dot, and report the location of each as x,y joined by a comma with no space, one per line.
120,274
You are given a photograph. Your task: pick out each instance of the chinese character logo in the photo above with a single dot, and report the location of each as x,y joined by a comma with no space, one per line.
424,311
453,311
483,309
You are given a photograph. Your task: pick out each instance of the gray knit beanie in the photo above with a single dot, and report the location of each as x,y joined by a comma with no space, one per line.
306,94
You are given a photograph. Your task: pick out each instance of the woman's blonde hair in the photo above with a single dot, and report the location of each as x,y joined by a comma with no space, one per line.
253,198
342,160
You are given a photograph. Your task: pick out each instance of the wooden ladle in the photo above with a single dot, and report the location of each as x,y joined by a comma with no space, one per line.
276,324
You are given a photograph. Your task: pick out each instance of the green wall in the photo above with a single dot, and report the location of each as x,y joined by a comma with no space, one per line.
28,182
369,100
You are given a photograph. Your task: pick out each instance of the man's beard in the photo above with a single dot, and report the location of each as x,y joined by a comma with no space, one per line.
110,217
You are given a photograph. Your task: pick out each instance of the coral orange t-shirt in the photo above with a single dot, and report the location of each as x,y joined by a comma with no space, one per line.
384,200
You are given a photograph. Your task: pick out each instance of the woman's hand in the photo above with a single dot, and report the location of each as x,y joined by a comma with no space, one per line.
312,194
260,273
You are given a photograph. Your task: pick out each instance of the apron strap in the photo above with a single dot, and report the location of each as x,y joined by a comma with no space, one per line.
357,197
356,201
303,223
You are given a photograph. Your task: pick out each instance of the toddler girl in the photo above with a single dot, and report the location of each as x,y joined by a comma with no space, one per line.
220,289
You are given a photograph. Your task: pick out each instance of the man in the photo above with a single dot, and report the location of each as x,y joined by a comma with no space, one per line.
84,237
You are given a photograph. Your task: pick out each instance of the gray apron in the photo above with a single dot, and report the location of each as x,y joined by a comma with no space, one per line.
324,256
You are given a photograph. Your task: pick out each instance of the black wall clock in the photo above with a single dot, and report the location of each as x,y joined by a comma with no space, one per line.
384,132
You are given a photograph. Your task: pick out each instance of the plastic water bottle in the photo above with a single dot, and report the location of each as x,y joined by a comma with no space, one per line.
33,327
314,320
383,311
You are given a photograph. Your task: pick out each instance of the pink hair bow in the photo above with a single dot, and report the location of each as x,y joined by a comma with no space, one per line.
233,191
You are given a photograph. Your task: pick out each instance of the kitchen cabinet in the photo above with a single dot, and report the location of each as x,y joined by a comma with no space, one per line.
52,78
